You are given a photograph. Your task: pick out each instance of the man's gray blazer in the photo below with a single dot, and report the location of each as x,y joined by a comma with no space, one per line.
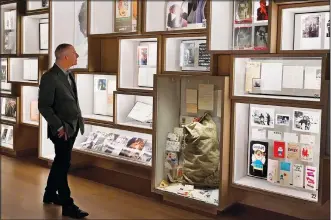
58,102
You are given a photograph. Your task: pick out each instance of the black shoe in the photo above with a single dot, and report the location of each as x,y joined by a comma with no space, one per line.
73,212
49,199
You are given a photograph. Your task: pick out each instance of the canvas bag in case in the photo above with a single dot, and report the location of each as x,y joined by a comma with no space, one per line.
201,153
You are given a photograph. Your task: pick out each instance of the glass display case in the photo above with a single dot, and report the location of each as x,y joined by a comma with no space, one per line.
30,112
35,34
9,109
8,28
6,87
109,17
95,95
7,136
32,5
134,110
23,69
240,25
279,77
278,149
191,145
138,63
304,27
74,15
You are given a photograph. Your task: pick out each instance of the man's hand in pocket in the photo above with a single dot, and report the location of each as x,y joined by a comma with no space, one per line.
62,134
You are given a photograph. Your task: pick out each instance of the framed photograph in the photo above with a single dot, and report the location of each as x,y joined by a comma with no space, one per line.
261,10
310,26
4,70
242,38
43,36
188,54
44,3
8,108
306,121
261,37
262,117
243,11
282,119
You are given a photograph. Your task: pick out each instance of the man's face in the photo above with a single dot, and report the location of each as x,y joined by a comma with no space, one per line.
71,56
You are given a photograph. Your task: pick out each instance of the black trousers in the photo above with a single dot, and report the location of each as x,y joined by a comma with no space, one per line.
58,175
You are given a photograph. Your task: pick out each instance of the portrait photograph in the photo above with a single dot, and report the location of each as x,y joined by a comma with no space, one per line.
3,75
261,7
256,83
243,11
261,37
136,143
262,117
243,38
282,119
10,107
306,121
177,14
188,53
310,25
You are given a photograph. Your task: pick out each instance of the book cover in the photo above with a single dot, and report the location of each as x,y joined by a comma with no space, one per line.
307,153
310,180
273,171
293,151
285,173
125,15
258,159
298,175
279,149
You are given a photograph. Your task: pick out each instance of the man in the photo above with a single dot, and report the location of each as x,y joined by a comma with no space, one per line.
58,104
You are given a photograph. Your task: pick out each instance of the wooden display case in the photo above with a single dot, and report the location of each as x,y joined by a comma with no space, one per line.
170,109
29,106
10,24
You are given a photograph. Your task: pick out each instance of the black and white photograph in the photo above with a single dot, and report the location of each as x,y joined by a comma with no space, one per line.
188,54
242,38
306,121
256,83
9,20
44,3
10,107
282,119
3,75
204,56
262,117
310,25
102,84
4,134
145,157
243,11
9,46
261,37
136,143
328,28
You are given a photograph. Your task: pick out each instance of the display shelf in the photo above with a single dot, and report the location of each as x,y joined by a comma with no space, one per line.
6,88
30,112
244,26
9,27
9,109
74,15
139,61
175,16
304,28
177,169
186,55
283,77
24,69
114,17
114,144
95,95
35,34
134,110
7,136
278,150
37,5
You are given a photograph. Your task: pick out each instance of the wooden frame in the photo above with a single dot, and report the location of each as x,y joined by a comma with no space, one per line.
116,34
11,90
225,199
272,34
39,10
17,118
323,95
279,28
22,108
158,61
184,72
321,196
180,31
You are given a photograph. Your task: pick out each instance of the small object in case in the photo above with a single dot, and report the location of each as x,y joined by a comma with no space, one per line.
258,159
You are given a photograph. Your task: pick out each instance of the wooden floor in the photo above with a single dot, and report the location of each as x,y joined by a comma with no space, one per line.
22,188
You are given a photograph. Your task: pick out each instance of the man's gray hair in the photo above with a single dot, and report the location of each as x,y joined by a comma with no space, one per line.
60,49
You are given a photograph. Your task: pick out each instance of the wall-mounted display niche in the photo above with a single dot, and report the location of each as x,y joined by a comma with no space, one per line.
46,146
116,16
37,4
113,143
23,69
305,28
7,136
278,77
134,110
35,34
5,86
239,25
188,141
95,94
175,15
8,28
74,15
9,109
278,150
30,112
138,63
186,54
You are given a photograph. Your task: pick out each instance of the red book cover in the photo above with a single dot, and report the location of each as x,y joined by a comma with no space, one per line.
279,149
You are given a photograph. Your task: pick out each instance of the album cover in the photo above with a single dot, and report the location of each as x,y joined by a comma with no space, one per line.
262,117
125,15
311,178
258,164
261,37
279,149
177,14
242,38
306,121
282,120
262,7
298,175
142,55
293,151
307,153
310,25
285,173
243,11
136,143
273,171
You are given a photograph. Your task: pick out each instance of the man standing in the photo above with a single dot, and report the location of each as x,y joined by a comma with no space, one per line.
58,104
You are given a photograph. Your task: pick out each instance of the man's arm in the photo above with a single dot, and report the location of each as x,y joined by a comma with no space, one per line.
46,100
